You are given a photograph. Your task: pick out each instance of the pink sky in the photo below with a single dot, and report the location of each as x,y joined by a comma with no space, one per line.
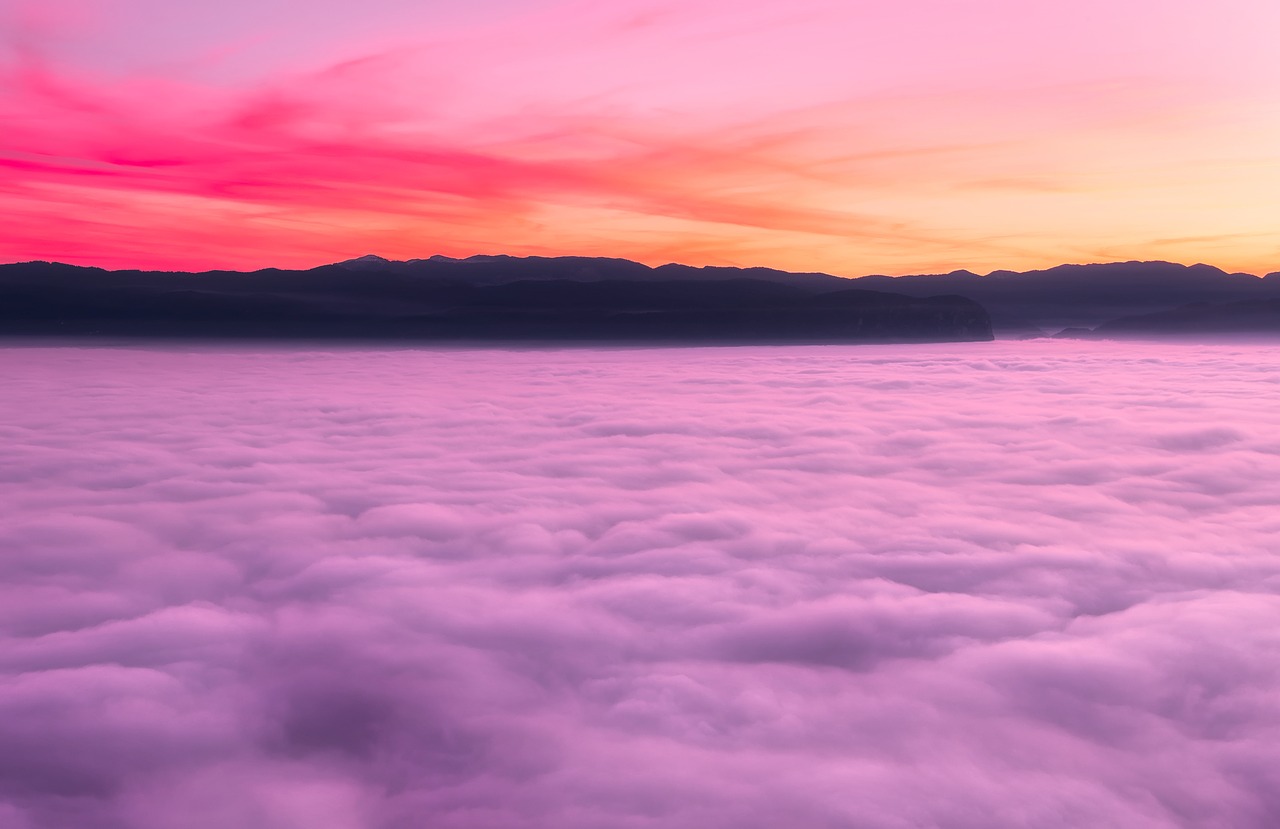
850,137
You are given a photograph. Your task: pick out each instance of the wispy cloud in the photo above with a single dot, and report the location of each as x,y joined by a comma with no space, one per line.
818,133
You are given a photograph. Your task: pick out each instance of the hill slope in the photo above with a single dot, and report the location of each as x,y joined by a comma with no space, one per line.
414,304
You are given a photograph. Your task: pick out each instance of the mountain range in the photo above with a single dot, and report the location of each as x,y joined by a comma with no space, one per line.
604,299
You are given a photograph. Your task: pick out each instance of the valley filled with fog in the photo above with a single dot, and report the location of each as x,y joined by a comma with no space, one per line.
964,585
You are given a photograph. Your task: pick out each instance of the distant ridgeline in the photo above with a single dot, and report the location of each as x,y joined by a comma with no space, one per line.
1111,300
498,299
503,298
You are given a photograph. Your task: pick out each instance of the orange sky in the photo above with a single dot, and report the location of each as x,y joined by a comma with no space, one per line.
850,137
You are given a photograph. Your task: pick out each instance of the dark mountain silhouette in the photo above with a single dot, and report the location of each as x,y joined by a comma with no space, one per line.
1247,318
496,270
507,297
543,300
1084,295
1021,304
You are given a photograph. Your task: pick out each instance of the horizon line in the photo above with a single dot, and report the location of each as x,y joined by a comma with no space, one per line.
443,257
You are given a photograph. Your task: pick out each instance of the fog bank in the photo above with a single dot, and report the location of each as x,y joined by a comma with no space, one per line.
1005,584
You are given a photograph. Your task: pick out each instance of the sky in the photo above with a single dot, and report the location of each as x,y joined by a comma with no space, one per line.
968,585
850,137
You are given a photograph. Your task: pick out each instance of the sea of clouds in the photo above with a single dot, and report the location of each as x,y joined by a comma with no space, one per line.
964,586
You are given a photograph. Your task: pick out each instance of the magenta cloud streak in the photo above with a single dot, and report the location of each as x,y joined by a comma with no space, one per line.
850,137
1009,584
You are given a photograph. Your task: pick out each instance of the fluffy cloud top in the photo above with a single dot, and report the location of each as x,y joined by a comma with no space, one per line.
1004,584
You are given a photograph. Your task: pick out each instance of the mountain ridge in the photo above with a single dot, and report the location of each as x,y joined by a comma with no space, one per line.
1020,304
379,301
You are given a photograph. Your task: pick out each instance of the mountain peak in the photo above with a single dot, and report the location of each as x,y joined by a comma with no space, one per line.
370,261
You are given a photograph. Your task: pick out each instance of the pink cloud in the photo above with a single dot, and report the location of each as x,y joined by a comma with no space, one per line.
989,584
850,137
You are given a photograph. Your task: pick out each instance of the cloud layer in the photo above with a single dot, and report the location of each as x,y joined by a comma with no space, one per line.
1006,584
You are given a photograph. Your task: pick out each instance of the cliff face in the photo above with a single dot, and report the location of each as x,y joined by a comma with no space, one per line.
334,302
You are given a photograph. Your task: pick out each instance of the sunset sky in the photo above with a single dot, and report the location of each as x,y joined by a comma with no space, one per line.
851,137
